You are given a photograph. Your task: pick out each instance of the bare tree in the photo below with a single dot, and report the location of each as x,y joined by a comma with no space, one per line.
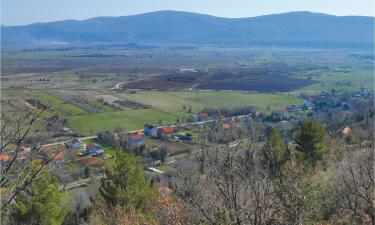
233,187
16,173
353,186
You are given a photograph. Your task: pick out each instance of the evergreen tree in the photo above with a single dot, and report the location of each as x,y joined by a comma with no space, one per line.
125,183
311,141
273,151
40,204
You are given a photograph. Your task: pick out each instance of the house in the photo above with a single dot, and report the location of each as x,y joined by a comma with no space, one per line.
94,150
292,108
24,149
284,113
150,130
307,104
202,116
136,139
24,152
256,115
108,138
346,131
226,126
165,133
76,143
167,130
59,156
66,130
4,157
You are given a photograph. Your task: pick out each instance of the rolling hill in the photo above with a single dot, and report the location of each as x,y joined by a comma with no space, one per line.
173,27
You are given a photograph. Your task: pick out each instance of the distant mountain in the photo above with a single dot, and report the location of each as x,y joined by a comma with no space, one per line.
172,27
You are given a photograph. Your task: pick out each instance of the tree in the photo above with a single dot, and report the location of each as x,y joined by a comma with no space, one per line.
87,172
125,183
16,177
273,151
352,186
79,213
230,186
125,194
163,154
300,199
40,203
160,122
311,141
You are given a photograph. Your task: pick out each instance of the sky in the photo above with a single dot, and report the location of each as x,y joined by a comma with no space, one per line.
21,12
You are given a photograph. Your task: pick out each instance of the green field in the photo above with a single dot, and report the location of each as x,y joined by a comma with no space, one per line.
173,102
56,103
168,106
330,80
128,120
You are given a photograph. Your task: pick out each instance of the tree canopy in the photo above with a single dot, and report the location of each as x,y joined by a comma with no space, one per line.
311,141
40,203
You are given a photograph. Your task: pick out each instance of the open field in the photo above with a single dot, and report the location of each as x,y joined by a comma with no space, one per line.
262,79
56,103
173,101
128,120
348,81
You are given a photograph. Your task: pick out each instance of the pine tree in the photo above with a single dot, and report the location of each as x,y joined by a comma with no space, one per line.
311,141
40,204
125,183
273,151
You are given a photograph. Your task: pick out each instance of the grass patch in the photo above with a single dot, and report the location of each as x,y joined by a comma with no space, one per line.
334,80
127,120
164,167
173,102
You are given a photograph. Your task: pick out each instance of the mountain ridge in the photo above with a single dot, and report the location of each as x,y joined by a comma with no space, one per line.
178,27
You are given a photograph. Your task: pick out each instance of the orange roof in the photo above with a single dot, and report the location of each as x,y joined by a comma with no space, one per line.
137,136
168,130
203,114
59,155
4,157
226,126
90,145
23,148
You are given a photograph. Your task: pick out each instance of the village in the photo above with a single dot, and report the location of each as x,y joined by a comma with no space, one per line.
160,147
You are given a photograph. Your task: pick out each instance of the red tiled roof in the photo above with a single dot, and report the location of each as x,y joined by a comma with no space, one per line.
4,157
284,110
24,156
59,155
137,136
226,126
168,130
203,114
23,148
91,145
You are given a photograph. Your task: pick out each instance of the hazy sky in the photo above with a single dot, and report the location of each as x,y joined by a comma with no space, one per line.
17,12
